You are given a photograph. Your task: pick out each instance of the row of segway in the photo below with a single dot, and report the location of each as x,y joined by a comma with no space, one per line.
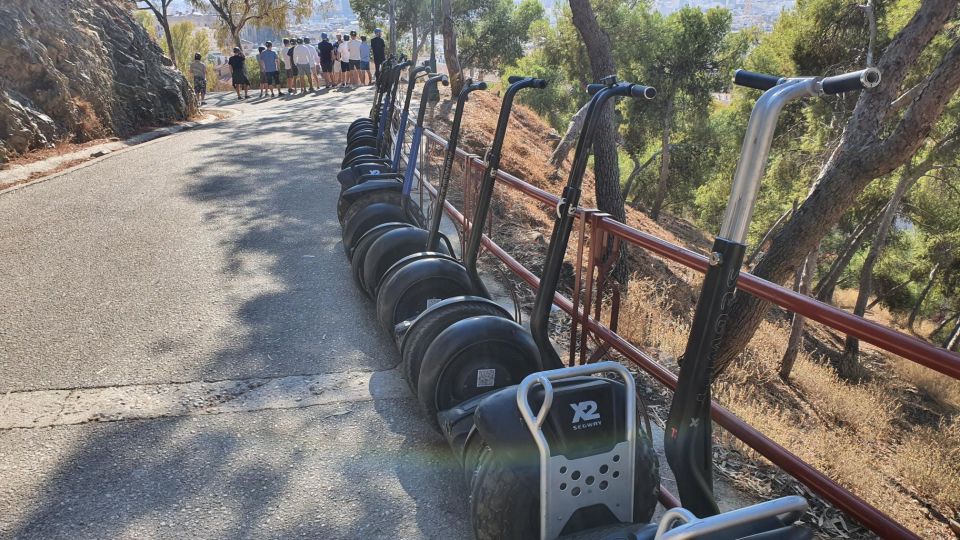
548,451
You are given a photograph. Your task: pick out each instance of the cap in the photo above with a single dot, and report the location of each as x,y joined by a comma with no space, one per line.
269,44
323,35
378,31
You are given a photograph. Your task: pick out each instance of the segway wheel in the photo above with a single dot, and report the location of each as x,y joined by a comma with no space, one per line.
471,357
435,320
505,495
363,246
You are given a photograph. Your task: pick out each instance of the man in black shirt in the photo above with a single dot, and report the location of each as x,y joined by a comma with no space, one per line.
379,50
325,48
238,70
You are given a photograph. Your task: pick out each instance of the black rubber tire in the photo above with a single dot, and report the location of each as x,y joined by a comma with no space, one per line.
430,324
346,210
363,246
404,294
452,361
391,249
505,499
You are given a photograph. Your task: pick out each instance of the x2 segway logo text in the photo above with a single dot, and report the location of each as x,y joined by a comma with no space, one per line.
585,415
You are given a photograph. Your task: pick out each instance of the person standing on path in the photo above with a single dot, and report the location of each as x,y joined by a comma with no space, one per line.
344,50
379,49
286,54
325,51
337,74
364,61
271,69
238,69
199,72
301,57
314,64
355,58
263,81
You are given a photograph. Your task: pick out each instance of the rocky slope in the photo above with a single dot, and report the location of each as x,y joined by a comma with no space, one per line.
75,70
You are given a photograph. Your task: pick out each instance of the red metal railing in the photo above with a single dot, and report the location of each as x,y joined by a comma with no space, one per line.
596,229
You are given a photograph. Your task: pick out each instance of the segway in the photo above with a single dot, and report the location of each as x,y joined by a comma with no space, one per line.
377,148
415,282
379,248
553,470
374,202
361,170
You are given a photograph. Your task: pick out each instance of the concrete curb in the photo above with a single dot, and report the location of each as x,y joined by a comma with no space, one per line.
98,153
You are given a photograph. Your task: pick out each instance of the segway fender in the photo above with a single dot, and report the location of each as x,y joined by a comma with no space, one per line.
352,175
349,196
597,428
366,219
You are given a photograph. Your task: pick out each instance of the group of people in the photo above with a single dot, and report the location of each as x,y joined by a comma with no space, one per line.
340,63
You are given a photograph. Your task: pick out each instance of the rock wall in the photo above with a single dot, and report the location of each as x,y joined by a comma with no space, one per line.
75,70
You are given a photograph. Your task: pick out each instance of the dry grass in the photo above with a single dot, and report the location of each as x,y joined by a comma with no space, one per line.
866,436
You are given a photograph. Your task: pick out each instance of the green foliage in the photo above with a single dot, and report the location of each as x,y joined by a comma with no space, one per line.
149,23
552,102
492,35
187,40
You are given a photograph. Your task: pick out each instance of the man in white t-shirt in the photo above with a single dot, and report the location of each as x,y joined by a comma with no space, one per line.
354,58
302,58
314,60
344,49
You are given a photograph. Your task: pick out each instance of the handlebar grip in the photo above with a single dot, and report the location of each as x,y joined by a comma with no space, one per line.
539,84
478,86
857,80
594,88
641,91
445,80
752,79
515,78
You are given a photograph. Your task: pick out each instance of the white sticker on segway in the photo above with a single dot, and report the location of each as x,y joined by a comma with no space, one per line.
486,378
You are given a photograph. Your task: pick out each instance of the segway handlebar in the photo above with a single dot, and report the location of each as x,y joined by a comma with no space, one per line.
477,86
624,90
856,80
534,83
758,81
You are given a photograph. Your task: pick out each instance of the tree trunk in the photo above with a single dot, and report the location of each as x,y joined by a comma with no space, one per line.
569,138
912,319
776,226
166,32
450,48
881,296
825,287
664,162
849,365
392,21
954,338
413,36
947,319
803,282
861,156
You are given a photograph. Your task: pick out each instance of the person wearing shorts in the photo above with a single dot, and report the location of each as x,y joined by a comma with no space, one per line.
199,71
291,67
364,61
302,57
344,50
354,45
238,69
337,74
271,69
325,51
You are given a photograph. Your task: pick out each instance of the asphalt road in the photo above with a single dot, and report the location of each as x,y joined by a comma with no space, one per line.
210,255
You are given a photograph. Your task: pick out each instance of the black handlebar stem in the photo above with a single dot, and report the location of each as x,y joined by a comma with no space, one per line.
433,235
560,237
472,250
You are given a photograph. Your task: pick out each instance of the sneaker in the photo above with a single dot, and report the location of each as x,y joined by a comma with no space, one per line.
312,90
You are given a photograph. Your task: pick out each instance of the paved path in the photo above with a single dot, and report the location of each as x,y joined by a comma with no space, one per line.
171,319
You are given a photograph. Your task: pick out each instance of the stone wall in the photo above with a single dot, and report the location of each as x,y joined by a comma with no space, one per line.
75,70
